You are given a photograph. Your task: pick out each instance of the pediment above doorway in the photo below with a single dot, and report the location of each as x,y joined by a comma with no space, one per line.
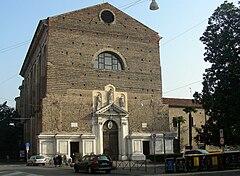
112,110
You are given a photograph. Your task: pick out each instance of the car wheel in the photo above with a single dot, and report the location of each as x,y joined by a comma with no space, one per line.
108,171
89,170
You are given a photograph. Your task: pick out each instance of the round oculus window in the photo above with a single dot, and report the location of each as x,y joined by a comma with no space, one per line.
107,16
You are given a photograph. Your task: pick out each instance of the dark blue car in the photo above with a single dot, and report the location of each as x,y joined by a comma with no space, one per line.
93,163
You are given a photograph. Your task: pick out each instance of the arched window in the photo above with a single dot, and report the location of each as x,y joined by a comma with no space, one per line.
108,61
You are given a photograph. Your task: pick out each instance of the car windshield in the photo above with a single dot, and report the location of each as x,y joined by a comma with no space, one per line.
196,152
39,157
103,157
204,151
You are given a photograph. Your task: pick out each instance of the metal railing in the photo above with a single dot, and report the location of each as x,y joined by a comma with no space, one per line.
131,165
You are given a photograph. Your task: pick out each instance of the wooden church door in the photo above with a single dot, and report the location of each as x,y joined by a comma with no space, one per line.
110,139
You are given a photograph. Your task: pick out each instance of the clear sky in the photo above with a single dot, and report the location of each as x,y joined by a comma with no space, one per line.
180,23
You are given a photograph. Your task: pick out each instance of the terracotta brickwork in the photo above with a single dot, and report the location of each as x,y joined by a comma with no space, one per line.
59,74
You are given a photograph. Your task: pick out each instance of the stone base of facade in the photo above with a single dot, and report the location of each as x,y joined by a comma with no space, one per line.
123,158
138,157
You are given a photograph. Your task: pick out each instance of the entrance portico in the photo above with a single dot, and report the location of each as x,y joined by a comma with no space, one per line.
111,132
110,122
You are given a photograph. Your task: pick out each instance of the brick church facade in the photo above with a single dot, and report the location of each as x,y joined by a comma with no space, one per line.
92,84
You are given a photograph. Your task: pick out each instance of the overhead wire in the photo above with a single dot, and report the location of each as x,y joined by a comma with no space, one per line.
17,45
8,79
189,29
132,4
124,7
129,4
182,86
14,46
184,32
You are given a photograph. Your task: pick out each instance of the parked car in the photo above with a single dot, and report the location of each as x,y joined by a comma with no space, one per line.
194,152
92,163
36,160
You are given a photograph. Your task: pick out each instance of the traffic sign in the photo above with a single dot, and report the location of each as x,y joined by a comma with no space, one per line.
27,145
221,133
221,140
154,135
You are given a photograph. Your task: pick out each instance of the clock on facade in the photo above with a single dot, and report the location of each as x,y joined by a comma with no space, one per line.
110,125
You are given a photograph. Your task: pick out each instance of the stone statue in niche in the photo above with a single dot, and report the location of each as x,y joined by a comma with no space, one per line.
122,101
110,96
98,101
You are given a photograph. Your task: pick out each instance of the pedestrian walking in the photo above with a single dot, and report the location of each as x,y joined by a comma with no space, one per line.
55,160
59,160
65,160
73,158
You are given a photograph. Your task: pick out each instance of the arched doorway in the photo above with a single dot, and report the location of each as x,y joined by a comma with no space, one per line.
110,139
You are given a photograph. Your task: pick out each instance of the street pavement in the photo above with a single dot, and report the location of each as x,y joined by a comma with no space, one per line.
159,170
20,169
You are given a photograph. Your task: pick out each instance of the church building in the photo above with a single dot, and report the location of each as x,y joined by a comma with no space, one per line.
92,84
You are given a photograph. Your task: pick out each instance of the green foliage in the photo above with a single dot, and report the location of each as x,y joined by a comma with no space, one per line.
179,119
189,109
220,96
10,132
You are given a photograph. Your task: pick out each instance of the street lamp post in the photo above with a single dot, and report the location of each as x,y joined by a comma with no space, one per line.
154,155
179,136
190,130
164,147
154,150
189,110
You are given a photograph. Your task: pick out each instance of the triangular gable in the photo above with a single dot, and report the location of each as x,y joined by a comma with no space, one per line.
112,109
90,16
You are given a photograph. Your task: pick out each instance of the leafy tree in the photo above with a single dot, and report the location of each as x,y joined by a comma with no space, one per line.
189,110
220,96
10,132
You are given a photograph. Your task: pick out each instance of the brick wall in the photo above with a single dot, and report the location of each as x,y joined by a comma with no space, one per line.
74,40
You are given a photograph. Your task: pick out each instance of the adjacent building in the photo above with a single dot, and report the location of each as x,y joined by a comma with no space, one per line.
176,107
92,84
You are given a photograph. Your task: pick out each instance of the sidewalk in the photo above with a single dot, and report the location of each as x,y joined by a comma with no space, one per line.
158,171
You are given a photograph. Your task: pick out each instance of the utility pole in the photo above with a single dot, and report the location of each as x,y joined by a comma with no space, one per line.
179,133
190,130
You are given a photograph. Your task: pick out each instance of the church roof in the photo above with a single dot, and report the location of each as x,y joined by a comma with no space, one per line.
180,102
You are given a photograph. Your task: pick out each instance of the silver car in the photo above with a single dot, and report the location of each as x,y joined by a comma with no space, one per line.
194,152
36,160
